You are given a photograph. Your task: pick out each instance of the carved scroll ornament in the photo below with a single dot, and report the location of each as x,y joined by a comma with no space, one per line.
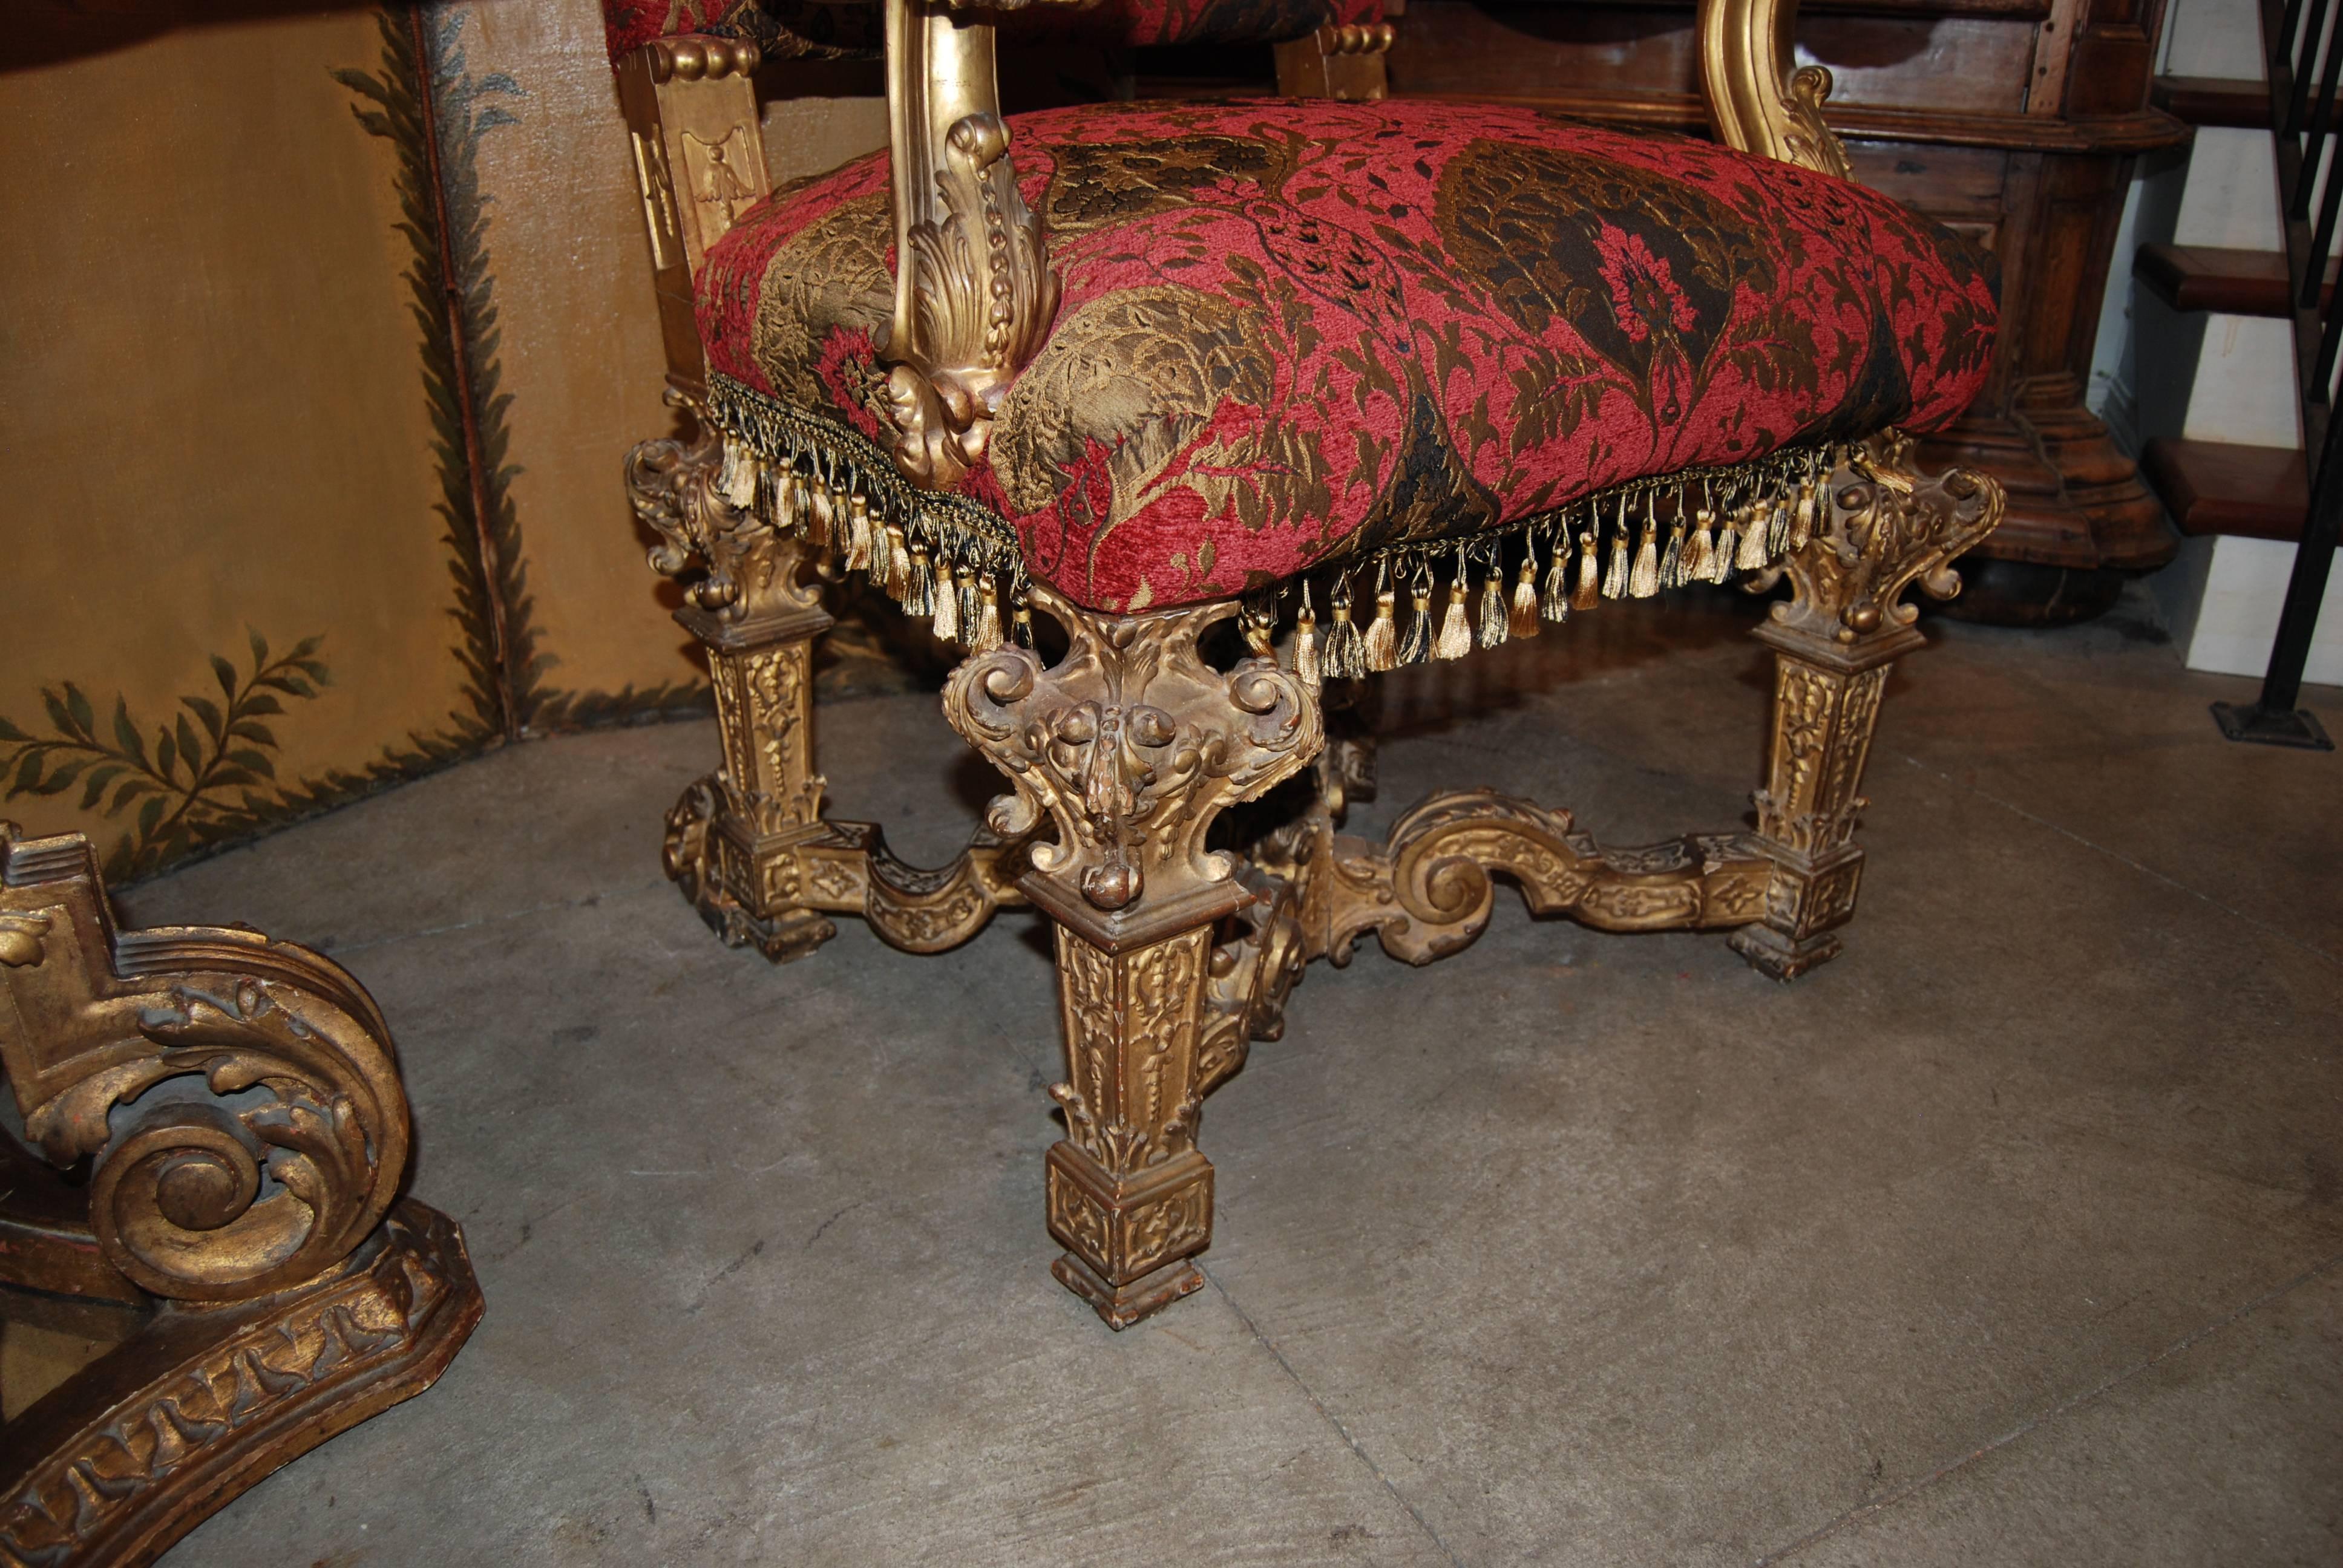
238,1094
1754,101
1881,527
1132,745
735,565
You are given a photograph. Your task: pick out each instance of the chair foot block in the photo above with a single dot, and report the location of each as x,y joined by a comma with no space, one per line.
1123,1305
1781,957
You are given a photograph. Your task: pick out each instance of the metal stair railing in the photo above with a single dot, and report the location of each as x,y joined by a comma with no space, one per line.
2303,42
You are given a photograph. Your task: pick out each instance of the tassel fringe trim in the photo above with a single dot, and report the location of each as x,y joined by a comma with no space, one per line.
955,561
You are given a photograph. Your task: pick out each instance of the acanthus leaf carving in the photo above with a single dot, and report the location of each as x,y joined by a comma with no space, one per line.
1131,746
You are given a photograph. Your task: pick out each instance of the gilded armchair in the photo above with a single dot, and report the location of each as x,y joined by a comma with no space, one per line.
1377,380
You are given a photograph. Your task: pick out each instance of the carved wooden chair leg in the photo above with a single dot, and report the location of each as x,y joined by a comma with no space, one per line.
731,840
239,1104
1873,528
1133,746
749,845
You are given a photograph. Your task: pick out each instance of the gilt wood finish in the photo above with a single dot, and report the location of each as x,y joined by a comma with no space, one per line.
1173,956
749,845
239,1104
1133,746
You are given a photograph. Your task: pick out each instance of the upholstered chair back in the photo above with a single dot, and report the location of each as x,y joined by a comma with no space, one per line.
789,29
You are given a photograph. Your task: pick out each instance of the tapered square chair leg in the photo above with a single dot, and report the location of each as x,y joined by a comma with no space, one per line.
1873,528
1133,746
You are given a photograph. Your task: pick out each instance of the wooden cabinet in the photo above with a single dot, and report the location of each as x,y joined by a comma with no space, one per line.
2016,121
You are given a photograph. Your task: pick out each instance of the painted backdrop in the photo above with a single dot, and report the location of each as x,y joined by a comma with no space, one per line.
325,329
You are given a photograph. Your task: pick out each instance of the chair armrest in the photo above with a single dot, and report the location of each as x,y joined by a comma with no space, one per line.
974,292
1754,101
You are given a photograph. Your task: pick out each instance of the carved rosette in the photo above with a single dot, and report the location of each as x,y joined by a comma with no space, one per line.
1131,746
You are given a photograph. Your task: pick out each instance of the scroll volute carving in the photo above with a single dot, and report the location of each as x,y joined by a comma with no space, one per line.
1879,527
1132,745
974,292
239,1095
735,565
1754,101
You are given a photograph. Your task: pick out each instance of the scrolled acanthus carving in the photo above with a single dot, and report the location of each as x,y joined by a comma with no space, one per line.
984,295
734,565
1754,101
239,1095
1880,528
1132,745
974,292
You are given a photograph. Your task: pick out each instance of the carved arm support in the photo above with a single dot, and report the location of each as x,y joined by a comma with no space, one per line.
1754,101
974,293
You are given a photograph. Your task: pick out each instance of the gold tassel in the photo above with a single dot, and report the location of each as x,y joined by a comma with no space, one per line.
988,617
1305,640
1344,657
813,505
1673,564
1455,640
1589,592
947,622
1492,605
1802,525
1701,567
1615,576
1752,556
966,577
1645,580
898,564
1557,581
1728,539
1383,632
786,515
1022,623
920,584
1525,596
738,477
1416,646
858,536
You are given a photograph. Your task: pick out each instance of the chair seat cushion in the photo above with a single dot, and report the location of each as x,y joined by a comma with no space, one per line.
1296,331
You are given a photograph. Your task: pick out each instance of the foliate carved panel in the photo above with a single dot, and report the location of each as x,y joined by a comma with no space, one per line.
1823,720
1131,1024
1879,528
764,713
1428,891
1132,745
125,1478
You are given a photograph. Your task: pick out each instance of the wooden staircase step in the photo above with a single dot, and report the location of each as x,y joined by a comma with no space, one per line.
2214,277
2239,105
2222,488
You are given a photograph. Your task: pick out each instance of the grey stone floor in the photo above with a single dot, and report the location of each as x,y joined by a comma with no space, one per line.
2013,1237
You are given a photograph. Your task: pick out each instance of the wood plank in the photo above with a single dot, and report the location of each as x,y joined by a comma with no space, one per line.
2216,277
2222,488
2238,103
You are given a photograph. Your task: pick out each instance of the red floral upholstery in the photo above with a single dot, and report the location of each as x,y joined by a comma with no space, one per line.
791,28
1296,331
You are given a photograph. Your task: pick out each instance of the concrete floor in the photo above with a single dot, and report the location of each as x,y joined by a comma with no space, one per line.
2013,1237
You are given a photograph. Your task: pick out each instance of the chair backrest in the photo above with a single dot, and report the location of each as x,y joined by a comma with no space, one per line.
793,29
